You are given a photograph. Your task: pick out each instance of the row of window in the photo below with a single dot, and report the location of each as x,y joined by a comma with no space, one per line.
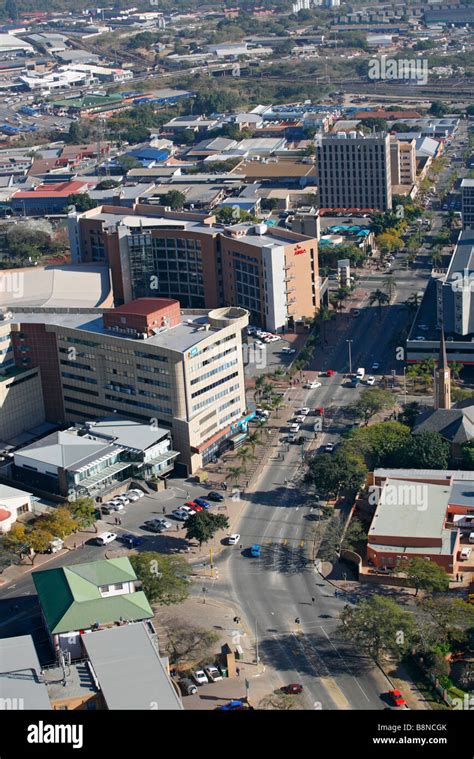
213,398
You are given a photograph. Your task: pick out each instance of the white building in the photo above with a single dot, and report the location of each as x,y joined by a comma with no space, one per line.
13,502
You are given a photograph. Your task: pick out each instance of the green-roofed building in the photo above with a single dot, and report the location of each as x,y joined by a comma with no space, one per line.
89,104
83,597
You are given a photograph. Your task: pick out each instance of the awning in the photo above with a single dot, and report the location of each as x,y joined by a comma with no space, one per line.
162,458
104,475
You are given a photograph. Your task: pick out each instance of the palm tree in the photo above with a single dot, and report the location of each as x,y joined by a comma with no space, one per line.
456,369
234,473
253,440
277,403
436,255
245,456
412,303
259,383
389,285
267,390
378,296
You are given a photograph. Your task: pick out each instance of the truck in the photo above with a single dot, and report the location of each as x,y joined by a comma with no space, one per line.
360,373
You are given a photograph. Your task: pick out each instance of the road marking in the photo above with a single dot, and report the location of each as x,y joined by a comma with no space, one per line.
344,662
336,693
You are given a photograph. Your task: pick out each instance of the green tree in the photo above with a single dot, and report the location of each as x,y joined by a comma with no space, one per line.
59,522
234,473
378,627
84,513
426,450
82,201
163,578
107,184
389,286
424,574
377,442
372,401
185,643
11,9
204,525
174,198
450,618
438,108
342,470
39,540
16,539
380,297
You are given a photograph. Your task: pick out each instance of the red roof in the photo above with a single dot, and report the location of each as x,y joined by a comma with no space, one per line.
4,514
61,189
145,306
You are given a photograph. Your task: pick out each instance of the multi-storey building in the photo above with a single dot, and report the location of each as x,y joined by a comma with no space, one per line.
467,207
403,163
269,271
354,171
146,361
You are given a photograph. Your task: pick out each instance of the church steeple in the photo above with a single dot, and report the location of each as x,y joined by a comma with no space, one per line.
442,377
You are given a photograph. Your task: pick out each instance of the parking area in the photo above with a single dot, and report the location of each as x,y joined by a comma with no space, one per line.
265,358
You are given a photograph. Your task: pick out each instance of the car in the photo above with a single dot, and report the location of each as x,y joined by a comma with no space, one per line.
293,437
158,525
119,505
180,514
122,499
319,411
233,706
187,686
108,508
136,491
292,689
465,554
329,447
214,496
370,381
396,698
199,677
212,673
288,351
197,508
294,427
300,419
303,411
275,338
330,373
133,497
262,412
258,343
203,503
131,541
255,551
190,504
232,540
105,537
312,385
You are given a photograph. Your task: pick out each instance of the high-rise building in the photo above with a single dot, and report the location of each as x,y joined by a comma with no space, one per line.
467,207
269,271
354,171
402,163
147,361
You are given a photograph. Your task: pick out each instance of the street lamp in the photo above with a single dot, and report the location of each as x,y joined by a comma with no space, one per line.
405,383
349,343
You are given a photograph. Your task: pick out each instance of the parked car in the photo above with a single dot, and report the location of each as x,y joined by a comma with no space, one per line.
122,499
202,502
370,380
294,427
293,437
214,496
55,545
312,385
131,541
465,554
330,373
105,537
212,673
233,706
232,540
180,514
133,497
329,447
199,677
288,351
292,688
188,510
255,551
158,525
136,491
108,508
304,411
396,698
300,419
187,686
319,411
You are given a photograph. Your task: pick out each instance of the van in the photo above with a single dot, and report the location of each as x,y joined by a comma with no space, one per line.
105,537
55,545
187,686
360,374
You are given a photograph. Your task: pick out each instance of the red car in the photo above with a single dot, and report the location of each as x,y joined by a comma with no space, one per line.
292,689
396,698
193,506
319,411
330,373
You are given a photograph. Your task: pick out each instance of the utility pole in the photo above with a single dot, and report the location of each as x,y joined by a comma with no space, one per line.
349,343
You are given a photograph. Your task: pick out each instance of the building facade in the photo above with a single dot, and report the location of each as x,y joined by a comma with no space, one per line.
467,203
354,171
146,361
269,271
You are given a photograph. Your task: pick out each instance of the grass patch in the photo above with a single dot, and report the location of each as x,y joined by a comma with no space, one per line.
425,687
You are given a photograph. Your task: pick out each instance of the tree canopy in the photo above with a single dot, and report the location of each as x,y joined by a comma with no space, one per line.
163,578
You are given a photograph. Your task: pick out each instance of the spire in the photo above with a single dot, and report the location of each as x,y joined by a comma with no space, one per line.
442,359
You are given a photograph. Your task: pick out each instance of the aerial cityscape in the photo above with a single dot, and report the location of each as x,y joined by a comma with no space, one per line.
237,362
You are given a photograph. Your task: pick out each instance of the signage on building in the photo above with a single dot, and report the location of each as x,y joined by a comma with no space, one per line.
298,251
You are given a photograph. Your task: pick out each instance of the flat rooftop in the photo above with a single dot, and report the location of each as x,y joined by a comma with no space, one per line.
462,259
20,673
71,286
411,509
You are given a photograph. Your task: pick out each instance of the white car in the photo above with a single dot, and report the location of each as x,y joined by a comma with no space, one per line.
232,540
300,419
294,427
329,447
199,677
180,515
136,492
303,411
465,554
275,338
312,385
212,673
370,381
118,505
188,510
288,351
133,497
105,537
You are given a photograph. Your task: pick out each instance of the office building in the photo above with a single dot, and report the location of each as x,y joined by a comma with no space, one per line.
146,361
402,163
269,271
354,171
467,203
